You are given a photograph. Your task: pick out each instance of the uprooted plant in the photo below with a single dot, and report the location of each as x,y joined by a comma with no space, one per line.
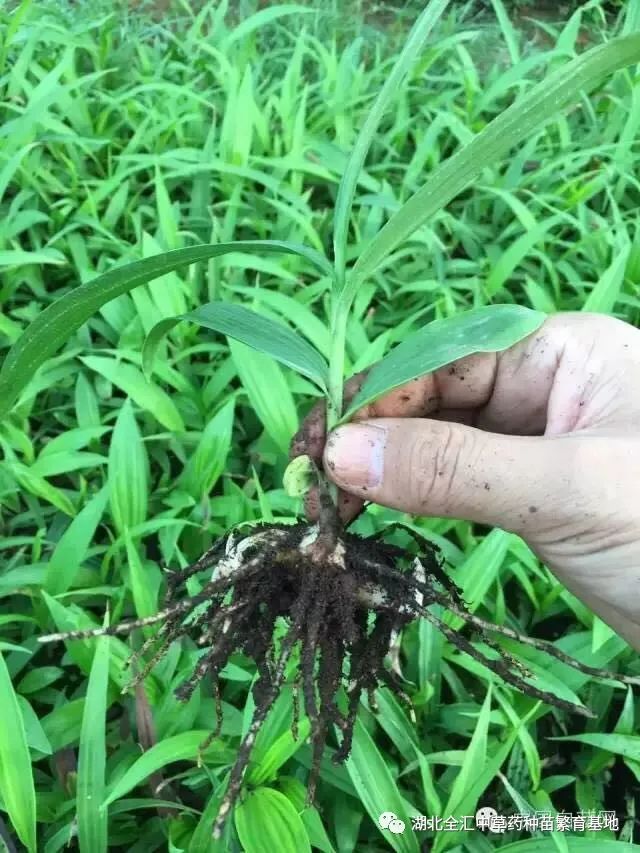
342,597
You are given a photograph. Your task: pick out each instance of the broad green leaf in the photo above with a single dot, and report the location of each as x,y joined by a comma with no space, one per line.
144,580
38,486
266,821
36,738
207,462
92,757
19,257
268,392
62,726
377,788
266,769
249,327
296,792
16,777
393,81
576,844
72,546
55,325
181,747
512,127
144,393
128,471
492,328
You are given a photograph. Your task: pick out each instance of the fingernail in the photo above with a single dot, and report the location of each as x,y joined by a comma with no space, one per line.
354,454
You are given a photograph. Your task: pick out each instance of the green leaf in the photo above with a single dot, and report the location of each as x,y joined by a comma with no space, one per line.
261,19
38,486
55,325
266,821
296,792
72,546
475,757
266,769
181,747
254,330
16,778
92,758
346,190
207,462
606,291
491,328
128,471
268,392
82,652
377,788
575,845
512,127
619,744
145,394
202,840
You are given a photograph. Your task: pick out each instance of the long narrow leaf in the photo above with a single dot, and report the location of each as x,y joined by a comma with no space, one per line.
511,128
47,333
249,327
16,777
92,758
181,747
377,788
347,188
491,328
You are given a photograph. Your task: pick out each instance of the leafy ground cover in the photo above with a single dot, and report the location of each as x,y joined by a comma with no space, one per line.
123,137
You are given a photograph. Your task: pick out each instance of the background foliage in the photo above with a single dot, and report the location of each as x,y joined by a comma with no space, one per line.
125,133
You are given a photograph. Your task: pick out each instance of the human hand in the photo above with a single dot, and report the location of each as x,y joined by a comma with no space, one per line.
542,439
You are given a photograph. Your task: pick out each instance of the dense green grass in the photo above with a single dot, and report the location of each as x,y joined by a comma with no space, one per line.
122,137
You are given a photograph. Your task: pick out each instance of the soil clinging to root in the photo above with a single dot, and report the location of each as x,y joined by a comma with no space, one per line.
343,598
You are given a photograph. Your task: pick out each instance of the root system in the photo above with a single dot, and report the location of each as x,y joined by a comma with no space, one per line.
343,598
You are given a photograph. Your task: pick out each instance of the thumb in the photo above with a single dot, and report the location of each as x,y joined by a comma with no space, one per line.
449,470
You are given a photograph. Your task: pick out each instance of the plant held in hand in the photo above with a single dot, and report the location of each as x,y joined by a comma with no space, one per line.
341,597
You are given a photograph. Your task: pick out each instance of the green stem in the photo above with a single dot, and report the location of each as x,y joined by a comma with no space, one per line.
338,332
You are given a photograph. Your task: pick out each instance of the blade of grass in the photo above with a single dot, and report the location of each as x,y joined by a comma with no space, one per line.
252,329
528,114
16,777
491,328
377,788
92,757
348,183
46,334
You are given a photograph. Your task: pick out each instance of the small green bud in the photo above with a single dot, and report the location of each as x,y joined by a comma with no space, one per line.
298,477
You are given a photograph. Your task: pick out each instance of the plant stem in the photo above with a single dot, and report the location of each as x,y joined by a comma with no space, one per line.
338,332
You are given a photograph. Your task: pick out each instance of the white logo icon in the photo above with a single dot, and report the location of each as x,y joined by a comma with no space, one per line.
391,821
486,819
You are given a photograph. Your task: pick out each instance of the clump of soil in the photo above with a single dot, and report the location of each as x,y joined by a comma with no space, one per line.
342,597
